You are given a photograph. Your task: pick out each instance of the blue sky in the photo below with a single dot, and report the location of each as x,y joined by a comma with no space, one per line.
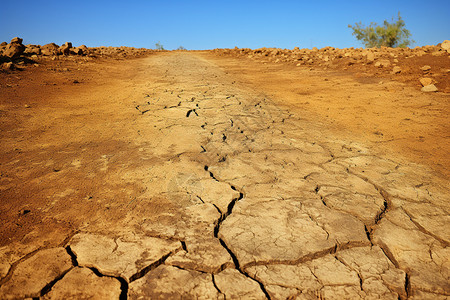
215,24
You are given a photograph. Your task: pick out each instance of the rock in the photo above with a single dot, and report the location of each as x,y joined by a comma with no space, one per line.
445,45
122,256
82,283
8,66
396,70
49,49
77,51
16,40
84,49
65,49
426,81
383,63
167,282
429,88
14,50
3,44
32,50
425,68
34,273
370,57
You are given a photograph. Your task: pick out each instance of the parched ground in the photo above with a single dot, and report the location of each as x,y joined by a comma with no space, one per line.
207,175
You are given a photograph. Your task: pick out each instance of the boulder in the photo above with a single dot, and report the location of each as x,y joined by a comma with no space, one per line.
429,88
446,45
32,49
65,49
81,50
16,40
13,50
426,68
49,49
425,81
3,44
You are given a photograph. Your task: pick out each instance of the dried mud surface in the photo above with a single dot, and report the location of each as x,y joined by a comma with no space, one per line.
198,175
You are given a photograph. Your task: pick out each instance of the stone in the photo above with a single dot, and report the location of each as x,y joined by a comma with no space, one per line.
383,63
8,66
65,49
167,282
49,49
33,274
370,57
425,68
429,88
76,51
396,70
426,81
16,40
235,285
14,50
122,256
445,45
32,50
84,49
82,283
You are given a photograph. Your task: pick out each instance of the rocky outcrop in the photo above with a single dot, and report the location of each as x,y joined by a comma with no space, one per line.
14,49
49,49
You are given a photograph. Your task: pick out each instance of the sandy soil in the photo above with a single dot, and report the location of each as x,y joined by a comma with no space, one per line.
78,141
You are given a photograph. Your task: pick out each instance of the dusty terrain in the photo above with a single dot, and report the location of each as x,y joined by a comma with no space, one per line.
224,174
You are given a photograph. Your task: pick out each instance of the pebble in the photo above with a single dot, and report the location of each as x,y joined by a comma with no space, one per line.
429,88
426,81
396,70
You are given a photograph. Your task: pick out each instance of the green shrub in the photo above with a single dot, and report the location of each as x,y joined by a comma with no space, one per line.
389,35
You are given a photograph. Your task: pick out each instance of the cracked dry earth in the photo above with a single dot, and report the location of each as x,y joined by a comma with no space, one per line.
205,188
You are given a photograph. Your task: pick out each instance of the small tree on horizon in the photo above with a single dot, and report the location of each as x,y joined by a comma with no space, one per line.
159,46
389,35
181,48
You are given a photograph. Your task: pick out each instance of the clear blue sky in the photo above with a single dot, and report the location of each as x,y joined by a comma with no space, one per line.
215,24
